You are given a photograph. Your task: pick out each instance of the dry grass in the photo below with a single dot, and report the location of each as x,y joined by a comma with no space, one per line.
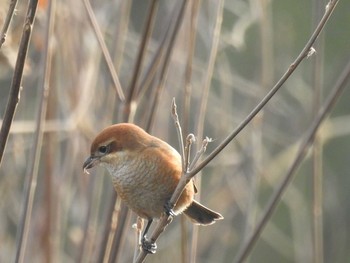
218,59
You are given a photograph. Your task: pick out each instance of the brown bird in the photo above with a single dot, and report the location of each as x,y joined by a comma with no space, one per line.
145,172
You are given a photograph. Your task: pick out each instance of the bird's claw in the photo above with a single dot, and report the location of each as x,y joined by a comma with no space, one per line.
169,209
148,246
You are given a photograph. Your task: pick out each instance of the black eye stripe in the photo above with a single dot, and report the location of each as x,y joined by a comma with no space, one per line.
103,149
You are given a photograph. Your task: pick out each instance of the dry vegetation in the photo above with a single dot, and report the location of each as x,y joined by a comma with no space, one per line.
124,61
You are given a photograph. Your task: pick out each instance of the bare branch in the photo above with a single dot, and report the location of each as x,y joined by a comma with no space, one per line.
142,51
17,76
210,69
7,22
167,58
303,149
186,177
202,150
179,132
331,5
189,141
138,229
106,54
33,164
189,65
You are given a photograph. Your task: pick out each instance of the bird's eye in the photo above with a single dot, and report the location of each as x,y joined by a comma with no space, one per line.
103,149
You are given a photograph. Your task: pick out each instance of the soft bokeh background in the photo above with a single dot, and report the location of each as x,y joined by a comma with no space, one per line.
240,49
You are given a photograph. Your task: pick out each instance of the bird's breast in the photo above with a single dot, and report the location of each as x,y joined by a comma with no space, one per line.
143,185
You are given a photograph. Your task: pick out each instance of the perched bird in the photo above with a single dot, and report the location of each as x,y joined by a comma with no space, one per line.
145,172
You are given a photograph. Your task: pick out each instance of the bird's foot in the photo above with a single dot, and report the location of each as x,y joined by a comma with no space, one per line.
169,209
148,245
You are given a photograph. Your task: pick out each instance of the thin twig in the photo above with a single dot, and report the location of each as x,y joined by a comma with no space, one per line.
185,164
13,98
9,15
145,83
210,70
167,59
143,46
120,234
189,141
106,54
317,202
303,149
123,16
33,166
204,100
189,65
179,132
114,223
110,246
140,58
138,232
108,227
151,71
90,223
304,53
200,152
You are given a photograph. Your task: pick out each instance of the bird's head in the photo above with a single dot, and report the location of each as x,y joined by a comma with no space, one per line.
116,142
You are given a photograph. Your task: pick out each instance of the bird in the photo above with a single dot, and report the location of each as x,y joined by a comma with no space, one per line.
145,171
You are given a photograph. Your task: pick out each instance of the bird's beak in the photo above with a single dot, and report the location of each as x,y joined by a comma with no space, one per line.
90,162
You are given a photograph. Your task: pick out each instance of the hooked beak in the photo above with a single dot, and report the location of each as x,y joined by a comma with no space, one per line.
90,162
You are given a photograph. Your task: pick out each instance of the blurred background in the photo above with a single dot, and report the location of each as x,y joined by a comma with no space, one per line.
217,59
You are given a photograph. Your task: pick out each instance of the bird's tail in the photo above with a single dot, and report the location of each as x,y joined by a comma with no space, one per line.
201,215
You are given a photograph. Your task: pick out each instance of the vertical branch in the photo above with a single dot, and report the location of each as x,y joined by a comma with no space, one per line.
153,66
186,163
204,102
33,167
267,44
138,226
128,114
7,22
49,190
189,65
179,132
112,199
106,55
90,223
210,70
139,61
120,36
13,98
164,71
46,239
118,243
111,237
317,211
